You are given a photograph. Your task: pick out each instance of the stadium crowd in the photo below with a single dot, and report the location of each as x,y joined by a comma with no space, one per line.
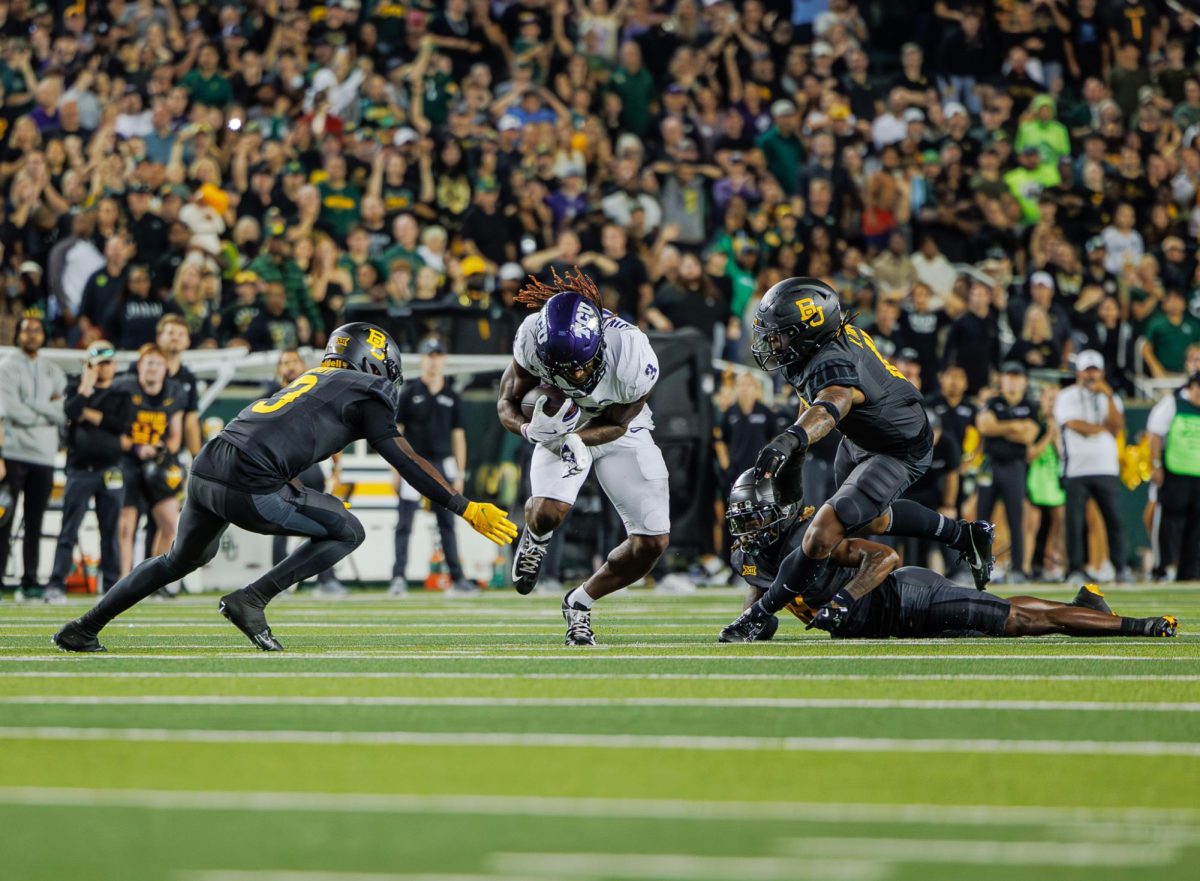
1000,191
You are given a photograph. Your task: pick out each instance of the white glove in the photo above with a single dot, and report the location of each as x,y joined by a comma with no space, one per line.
576,456
543,429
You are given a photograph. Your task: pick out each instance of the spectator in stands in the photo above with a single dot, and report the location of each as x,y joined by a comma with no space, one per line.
430,413
98,417
31,395
1090,417
1168,335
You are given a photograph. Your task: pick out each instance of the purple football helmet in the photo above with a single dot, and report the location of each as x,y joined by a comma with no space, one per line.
570,338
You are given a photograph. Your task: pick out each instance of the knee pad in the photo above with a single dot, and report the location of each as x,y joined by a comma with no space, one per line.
854,513
355,534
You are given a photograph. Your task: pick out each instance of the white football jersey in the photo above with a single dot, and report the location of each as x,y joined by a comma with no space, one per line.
631,367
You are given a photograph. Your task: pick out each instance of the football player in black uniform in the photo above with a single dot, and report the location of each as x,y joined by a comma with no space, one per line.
886,440
245,475
862,595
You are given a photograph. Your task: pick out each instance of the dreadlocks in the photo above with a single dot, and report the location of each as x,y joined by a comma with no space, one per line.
536,293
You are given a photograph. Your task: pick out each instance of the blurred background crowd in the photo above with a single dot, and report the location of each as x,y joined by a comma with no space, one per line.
996,188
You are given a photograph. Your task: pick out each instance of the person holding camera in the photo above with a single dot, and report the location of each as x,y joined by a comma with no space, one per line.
98,420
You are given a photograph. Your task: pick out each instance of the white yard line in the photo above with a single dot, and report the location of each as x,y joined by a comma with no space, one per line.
616,808
294,875
790,703
685,867
988,853
684,677
590,655
706,743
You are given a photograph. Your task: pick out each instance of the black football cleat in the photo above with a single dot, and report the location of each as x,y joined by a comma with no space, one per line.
249,618
768,632
1091,597
975,549
1167,626
73,638
749,626
527,562
579,623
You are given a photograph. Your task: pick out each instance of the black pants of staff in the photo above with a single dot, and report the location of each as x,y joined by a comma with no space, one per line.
85,486
208,510
1008,486
445,525
1179,525
34,482
1106,490
314,479
1045,524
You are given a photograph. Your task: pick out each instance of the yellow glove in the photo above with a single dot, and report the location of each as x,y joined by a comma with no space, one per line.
490,522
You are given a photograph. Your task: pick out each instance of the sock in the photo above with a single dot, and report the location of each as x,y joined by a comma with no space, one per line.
579,597
914,520
797,573
1136,626
147,577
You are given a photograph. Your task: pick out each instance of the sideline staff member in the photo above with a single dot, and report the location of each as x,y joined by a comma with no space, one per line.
99,417
1174,427
430,414
1008,425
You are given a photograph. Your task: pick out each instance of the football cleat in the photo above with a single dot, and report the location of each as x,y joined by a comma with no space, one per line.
579,623
749,626
73,638
975,549
768,632
527,562
1091,597
1166,626
249,618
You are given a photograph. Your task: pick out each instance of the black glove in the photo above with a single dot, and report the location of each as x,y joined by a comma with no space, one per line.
835,613
781,448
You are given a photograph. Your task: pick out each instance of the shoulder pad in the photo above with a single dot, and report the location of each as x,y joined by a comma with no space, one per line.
834,369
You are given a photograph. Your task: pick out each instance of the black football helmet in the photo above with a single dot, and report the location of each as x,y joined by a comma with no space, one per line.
759,512
366,348
794,319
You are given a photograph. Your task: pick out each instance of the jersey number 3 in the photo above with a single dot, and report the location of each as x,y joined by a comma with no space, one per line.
305,383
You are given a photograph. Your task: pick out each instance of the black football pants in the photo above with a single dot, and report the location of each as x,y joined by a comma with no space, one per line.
1179,525
209,508
312,478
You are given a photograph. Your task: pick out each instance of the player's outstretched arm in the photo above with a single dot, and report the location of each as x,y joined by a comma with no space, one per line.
486,519
830,408
874,563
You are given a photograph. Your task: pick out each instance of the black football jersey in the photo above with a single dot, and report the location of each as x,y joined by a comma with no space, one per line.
318,414
892,418
760,569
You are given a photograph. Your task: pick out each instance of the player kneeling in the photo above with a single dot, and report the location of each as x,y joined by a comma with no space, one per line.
248,473
864,596
605,366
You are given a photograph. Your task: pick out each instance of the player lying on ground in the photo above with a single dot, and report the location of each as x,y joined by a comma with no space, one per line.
886,445
862,595
607,369
246,475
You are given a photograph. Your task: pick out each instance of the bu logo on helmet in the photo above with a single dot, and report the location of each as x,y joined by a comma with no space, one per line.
378,343
810,313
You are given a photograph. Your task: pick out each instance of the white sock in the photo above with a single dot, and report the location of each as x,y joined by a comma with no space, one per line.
579,597
540,539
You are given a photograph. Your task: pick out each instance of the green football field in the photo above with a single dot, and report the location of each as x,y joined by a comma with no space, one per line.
456,739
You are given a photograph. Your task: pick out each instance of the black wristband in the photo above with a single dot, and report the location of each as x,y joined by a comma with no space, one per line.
457,504
799,434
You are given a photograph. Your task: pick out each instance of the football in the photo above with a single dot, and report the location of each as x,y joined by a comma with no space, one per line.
554,400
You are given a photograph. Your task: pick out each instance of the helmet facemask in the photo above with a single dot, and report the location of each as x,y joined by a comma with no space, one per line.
757,525
779,348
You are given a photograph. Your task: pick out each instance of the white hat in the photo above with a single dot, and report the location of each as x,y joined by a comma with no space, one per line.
30,266
511,272
912,114
952,108
821,49
508,123
1087,359
1042,278
404,136
783,107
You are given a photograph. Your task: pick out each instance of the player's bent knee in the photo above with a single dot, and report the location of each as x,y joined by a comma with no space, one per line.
356,534
648,548
824,534
544,515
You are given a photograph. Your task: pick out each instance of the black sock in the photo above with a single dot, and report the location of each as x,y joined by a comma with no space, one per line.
1135,626
797,573
144,580
914,520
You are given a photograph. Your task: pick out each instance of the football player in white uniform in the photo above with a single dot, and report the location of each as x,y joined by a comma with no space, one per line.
607,368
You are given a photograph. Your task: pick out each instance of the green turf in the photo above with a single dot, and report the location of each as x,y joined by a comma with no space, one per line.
445,738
